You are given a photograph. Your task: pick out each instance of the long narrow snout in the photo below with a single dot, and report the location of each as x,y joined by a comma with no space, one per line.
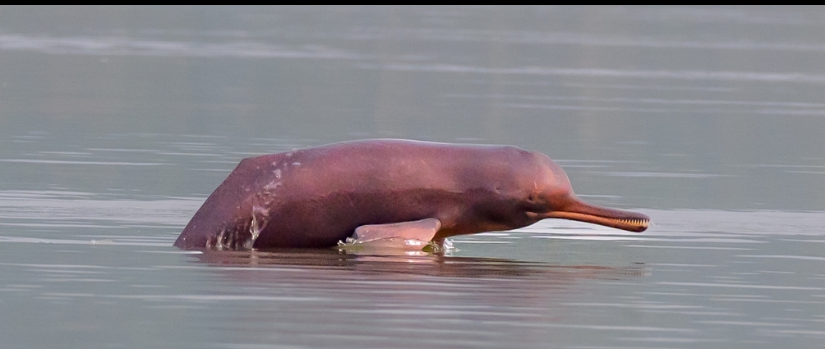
578,210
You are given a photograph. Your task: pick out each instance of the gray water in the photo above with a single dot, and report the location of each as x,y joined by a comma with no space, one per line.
117,122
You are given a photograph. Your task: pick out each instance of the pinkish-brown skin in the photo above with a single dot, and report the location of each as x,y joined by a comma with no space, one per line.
317,197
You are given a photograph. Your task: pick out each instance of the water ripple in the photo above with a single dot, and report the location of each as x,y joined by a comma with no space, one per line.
125,46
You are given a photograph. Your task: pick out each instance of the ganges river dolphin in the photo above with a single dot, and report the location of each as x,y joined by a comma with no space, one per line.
375,189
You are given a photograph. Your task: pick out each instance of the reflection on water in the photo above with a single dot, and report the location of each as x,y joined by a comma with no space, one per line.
394,262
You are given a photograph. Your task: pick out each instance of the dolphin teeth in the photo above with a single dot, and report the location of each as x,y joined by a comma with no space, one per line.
637,221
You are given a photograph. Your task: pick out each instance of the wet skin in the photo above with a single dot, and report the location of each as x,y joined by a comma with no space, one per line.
318,196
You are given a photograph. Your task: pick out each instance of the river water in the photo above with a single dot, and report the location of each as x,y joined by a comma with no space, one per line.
117,122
